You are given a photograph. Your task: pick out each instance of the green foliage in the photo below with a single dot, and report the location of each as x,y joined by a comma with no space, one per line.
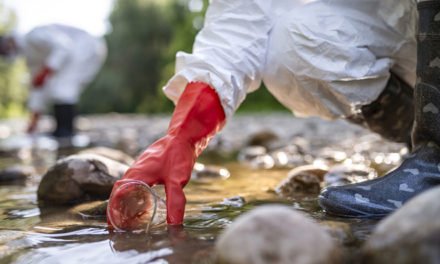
144,34
12,90
145,37
261,101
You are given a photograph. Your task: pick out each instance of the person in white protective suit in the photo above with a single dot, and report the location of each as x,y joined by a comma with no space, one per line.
329,58
62,61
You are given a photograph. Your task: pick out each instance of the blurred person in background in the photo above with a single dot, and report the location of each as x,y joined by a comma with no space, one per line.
62,61
334,59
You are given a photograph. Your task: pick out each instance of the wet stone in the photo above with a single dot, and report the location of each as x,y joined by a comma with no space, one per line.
339,231
383,162
256,157
80,178
264,138
275,234
348,173
203,172
236,201
285,159
302,180
247,154
16,174
409,235
93,210
332,156
110,153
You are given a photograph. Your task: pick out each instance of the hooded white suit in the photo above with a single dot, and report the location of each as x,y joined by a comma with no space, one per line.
73,54
324,57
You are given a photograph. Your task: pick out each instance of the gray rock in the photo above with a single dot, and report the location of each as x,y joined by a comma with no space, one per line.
203,172
283,158
302,180
410,235
348,173
113,154
236,201
92,210
275,234
247,154
16,174
339,231
265,138
80,177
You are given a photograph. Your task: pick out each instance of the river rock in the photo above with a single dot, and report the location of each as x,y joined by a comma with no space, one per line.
236,201
247,154
203,172
264,138
275,234
409,235
256,157
92,210
340,231
348,173
302,180
80,177
113,154
16,174
285,159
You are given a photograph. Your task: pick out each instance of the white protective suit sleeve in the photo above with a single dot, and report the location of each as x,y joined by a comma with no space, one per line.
229,52
56,42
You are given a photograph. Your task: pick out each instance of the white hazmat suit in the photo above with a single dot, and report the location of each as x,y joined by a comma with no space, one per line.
74,56
319,58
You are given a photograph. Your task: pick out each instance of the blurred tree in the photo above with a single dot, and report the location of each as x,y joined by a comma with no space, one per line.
141,34
145,36
12,73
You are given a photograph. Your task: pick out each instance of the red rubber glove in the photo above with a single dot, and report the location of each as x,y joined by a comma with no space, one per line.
169,161
41,77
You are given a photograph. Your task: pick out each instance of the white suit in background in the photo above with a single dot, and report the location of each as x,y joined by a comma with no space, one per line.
72,54
324,57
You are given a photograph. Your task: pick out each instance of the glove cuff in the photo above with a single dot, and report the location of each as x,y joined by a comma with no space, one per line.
198,115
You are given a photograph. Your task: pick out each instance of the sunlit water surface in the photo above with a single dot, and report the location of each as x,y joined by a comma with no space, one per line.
29,234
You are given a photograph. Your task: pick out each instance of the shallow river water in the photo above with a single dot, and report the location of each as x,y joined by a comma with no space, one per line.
29,234
33,234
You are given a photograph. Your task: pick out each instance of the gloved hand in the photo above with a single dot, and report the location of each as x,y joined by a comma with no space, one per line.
41,77
169,161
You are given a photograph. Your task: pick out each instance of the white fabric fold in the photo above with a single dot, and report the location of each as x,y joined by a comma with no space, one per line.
322,57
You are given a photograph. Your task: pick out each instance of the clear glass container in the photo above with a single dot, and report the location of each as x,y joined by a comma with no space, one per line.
134,206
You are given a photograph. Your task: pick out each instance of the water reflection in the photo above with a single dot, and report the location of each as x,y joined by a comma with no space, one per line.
63,235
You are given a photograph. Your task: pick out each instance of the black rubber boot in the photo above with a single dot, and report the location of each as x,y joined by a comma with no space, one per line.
64,117
391,115
421,171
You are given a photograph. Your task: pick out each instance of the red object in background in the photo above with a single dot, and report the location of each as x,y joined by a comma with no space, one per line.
40,78
169,161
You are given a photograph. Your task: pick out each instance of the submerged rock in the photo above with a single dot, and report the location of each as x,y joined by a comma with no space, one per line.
16,174
236,201
302,180
109,153
275,234
80,177
92,210
410,235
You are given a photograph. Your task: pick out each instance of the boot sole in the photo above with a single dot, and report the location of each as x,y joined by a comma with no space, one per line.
327,203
